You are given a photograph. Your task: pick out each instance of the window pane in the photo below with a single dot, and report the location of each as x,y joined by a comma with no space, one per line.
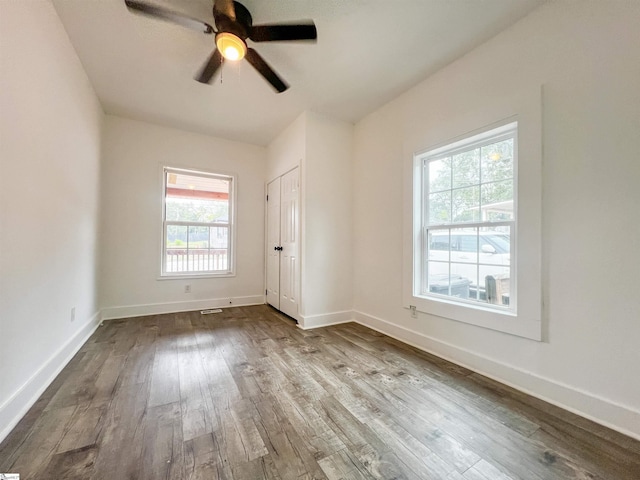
464,245
197,253
497,284
495,246
176,245
453,286
219,248
497,161
198,237
197,210
497,201
464,275
193,198
439,242
438,269
466,168
439,208
465,204
440,175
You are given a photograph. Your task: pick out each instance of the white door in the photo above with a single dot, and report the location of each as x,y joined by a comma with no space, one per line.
289,233
273,243
283,264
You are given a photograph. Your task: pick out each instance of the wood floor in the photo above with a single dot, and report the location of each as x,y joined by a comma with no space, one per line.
244,394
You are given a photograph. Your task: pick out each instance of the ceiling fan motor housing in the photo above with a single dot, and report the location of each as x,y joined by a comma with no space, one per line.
241,26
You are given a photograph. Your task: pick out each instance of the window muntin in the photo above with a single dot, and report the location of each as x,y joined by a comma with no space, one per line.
197,223
468,221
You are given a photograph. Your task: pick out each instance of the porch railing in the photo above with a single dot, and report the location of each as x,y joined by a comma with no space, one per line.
180,260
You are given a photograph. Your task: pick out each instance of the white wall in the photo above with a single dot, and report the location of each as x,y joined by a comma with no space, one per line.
327,275
49,189
584,54
323,149
133,155
288,149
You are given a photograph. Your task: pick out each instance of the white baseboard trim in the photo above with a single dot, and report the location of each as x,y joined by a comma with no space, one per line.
603,411
12,410
112,313
307,322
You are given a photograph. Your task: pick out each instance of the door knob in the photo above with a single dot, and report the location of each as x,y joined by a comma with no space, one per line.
278,248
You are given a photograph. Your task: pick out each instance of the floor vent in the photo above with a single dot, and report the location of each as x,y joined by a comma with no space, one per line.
209,312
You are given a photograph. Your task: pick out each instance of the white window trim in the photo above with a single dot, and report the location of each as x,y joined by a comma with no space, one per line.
527,322
230,272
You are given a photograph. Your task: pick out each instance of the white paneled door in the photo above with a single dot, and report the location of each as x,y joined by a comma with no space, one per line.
273,243
283,227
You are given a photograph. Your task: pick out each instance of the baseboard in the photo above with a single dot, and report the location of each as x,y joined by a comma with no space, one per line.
324,320
112,313
621,418
12,411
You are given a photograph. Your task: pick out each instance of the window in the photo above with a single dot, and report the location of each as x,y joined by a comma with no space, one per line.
197,223
468,221
494,212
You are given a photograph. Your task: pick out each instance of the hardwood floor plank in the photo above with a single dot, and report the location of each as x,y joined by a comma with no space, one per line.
72,464
281,441
244,414
342,465
517,453
415,454
203,459
198,415
600,461
319,439
162,454
81,388
376,457
10,447
258,469
138,365
165,377
120,443
245,394
41,443
449,449
84,427
559,419
484,470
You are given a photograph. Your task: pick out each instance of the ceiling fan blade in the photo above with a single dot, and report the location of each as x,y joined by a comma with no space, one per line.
163,14
210,68
265,70
225,7
277,33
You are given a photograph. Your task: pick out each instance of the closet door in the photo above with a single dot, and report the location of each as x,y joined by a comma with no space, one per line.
290,242
273,243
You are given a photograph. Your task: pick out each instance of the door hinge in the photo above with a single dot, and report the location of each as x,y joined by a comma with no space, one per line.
267,198
266,292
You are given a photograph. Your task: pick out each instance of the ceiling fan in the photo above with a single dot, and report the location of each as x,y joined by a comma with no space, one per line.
234,26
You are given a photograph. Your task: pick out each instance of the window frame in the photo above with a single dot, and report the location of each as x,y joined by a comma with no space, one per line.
525,107
231,225
476,140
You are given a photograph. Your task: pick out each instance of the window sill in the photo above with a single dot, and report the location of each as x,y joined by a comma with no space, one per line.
196,276
503,321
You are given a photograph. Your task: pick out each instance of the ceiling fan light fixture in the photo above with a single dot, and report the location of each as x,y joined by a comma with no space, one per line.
231,46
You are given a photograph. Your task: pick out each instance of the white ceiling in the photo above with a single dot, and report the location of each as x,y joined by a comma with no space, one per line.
368,52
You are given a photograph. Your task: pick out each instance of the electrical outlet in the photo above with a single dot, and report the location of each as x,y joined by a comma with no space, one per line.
414,313
187,289
73,313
